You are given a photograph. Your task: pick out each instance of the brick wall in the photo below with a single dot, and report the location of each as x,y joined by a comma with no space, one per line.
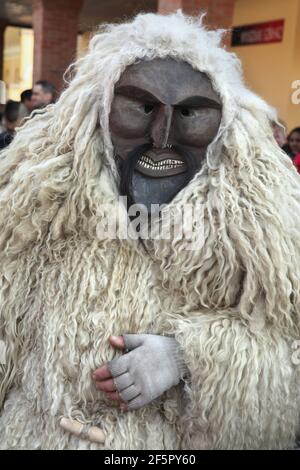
55,24
168,6
219,12
2,29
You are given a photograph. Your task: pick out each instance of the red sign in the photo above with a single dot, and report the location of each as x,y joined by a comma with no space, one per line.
259,33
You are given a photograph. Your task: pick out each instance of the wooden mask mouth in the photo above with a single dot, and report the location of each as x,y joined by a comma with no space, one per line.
161,163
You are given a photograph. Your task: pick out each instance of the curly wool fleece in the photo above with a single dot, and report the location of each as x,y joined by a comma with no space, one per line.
233,303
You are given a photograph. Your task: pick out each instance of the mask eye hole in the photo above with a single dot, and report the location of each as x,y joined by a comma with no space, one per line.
185,112
148,108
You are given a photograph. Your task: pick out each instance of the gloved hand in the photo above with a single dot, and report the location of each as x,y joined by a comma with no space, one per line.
152,365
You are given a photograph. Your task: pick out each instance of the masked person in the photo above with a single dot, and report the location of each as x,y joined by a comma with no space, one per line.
132,343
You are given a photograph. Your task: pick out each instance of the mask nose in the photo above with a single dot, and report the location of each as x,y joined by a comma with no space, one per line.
161,126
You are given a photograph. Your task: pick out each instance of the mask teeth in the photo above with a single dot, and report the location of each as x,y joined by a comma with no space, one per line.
167,164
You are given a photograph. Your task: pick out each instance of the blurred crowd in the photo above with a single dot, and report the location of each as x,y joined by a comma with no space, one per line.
13,112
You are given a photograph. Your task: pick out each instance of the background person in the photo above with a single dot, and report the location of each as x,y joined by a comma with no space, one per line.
43,93
297,162
26,99
11,120
293,143
279,132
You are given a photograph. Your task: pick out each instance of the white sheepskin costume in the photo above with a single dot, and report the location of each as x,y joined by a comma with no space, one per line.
233,304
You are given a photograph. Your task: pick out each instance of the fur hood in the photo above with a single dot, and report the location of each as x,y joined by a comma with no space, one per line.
60,170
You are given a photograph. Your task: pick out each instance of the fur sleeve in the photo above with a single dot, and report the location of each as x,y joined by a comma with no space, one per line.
243,390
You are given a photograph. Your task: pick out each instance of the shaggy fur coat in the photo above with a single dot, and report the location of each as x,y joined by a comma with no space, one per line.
233,303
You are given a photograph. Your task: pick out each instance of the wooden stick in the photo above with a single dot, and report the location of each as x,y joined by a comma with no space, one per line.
92,433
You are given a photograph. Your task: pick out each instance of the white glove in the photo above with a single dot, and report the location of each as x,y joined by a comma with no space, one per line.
153,365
